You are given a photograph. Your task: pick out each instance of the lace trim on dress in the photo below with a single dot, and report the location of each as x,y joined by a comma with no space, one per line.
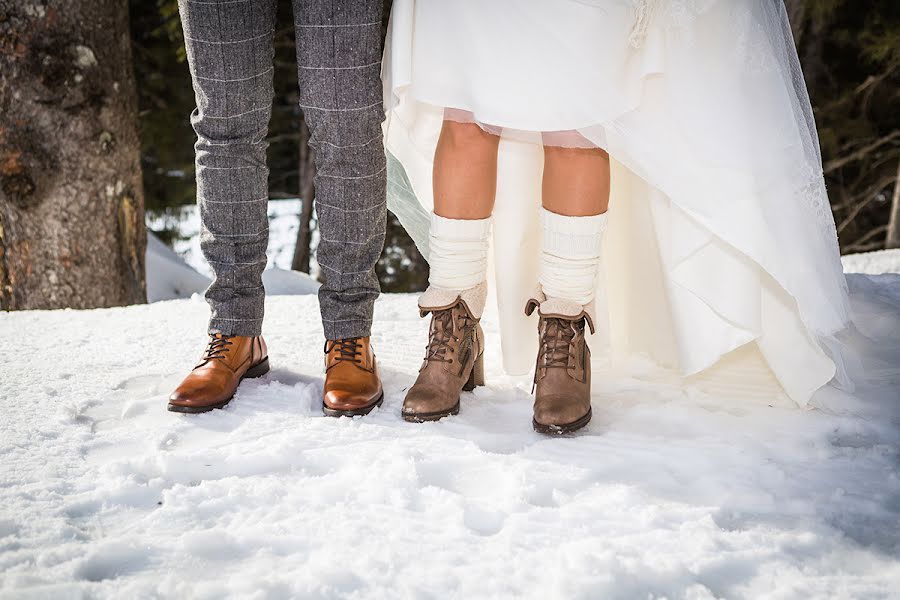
669,14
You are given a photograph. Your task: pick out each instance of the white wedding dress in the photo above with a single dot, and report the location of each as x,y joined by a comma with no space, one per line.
720,231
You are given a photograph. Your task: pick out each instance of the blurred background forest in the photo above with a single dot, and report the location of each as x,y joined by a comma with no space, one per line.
850,51
165,98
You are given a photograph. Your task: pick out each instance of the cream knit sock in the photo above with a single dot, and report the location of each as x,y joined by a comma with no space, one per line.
458,252
570,256
458,260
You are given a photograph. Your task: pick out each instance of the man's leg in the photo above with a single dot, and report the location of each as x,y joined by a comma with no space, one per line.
339,63
230,52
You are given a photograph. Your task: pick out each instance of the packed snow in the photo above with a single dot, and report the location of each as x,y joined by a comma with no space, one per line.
873,263
677,489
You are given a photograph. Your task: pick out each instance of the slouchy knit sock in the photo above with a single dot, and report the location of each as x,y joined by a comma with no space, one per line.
570,256
458,252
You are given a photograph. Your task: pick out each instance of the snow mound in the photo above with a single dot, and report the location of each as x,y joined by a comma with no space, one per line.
873,263
282,282
168,276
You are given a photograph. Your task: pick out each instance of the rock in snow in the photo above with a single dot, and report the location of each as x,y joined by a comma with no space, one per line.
676,489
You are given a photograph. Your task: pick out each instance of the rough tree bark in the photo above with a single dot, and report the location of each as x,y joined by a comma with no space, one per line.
71,202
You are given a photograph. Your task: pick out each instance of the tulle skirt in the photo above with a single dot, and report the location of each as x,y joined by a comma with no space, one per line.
720,234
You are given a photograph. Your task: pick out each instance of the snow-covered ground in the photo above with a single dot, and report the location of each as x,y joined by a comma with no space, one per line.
872,263
676,489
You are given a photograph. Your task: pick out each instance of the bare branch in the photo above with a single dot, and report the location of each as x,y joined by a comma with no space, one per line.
867,198
860,245
860,154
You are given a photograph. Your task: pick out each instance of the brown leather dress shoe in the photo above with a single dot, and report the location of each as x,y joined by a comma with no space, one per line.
226,361
562,376
352,385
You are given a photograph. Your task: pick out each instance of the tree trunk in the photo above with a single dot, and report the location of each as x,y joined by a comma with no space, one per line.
71,202
302,250
893,233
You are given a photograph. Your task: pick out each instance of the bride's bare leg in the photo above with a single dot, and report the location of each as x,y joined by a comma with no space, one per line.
575,196
465,171
576,181
465,184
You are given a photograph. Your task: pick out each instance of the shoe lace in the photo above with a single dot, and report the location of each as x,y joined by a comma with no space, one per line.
441,334
557,336
217,347
349,350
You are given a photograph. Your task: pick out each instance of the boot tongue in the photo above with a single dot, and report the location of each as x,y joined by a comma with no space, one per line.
348,350
557,341
441,332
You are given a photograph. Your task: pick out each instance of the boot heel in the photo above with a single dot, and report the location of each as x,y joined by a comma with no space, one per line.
258,370
476,377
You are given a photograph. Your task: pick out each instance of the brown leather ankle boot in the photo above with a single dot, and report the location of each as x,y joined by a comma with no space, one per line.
454,362
352,385
226,361
562,375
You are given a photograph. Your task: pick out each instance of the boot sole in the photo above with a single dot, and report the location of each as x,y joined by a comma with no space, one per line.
257,370
356,412
563,429
432,416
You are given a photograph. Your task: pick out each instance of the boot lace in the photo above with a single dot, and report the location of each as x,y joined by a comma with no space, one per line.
557,337
349,350
218,346
441,334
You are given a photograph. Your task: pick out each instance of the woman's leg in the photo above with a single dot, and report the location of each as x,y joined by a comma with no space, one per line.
465,171
576,181
465,184
575,199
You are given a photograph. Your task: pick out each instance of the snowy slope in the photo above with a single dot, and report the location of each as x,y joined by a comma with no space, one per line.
677,490
169,277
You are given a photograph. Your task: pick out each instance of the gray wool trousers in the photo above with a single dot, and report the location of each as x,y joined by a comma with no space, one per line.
230,52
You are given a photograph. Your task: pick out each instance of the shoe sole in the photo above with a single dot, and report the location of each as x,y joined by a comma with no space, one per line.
257,370
563,429
356,412
432,416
